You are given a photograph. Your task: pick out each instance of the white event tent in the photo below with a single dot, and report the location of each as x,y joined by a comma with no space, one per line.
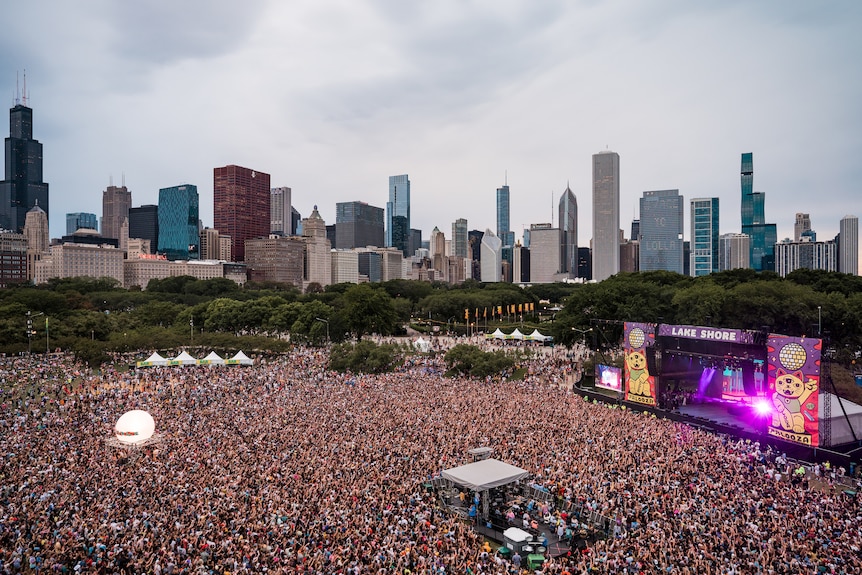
212,359
183,359
153,360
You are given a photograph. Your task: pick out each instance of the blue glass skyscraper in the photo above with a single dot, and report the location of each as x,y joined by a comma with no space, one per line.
704,236
507,237
763,236
178,222
661,231
81,220
398,214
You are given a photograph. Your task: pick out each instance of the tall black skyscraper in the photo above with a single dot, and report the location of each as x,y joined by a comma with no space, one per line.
144,224
22,187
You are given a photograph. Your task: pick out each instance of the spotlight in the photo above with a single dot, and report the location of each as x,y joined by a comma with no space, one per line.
762,407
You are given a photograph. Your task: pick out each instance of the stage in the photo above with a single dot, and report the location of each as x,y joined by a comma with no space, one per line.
724,415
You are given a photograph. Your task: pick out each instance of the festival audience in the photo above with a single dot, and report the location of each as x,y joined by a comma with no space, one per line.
287,467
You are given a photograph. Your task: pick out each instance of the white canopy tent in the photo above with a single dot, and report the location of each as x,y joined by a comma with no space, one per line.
535,336
498,334
153,360
240,359
515,335
485,474
212,359
421,344
184,359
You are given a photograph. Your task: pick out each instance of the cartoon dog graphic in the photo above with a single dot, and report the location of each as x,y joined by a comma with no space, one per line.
638,373
791,392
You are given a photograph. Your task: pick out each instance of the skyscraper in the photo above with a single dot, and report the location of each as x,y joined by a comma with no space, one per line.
661,245
734,251
318,256
358,225
279,211
460,241
704,236
763,236
144,224
568,224
178,222
22,187
241,199
848,245
398,214
606,215
545,248
116,201
36,233
492,261
504,232
801,225
805,254
81,220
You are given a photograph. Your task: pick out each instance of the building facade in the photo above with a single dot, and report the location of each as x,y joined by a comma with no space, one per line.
116,202
14,260
72,260
318,251
491,263
81,220
345,266
545,248
144,224
848,245
606,215
37,236
398,231
22,187
241,200
661,228
276,259
567,216
460,239
279,212
358,225
790,256
179,213
504,231
801,225
704,236
734,251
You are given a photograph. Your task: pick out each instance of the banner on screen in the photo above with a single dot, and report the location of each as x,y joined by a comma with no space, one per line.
609,377
640,384
794,384
707,333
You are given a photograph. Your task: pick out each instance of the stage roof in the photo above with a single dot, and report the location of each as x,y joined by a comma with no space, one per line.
485,474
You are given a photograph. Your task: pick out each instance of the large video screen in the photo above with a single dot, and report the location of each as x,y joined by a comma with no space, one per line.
609,377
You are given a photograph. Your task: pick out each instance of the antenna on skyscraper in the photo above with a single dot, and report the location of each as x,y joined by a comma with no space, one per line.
124,179
17,89
111,181
24,91
506,177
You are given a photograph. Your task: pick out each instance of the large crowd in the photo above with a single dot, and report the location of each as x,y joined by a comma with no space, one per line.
287,467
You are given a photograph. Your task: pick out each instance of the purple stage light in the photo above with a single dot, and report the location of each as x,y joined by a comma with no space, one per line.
762,407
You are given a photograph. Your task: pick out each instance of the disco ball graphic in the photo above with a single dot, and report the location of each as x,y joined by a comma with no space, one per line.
792,356
637,338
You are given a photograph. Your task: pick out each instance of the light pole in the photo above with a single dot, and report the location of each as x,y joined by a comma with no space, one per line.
191,331
819,323
326,321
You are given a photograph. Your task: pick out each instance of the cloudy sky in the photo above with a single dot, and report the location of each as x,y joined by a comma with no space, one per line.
332,97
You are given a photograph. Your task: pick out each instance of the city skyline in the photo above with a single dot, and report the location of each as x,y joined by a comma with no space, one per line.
447,103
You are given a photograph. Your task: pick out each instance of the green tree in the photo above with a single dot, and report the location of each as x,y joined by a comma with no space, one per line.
368,310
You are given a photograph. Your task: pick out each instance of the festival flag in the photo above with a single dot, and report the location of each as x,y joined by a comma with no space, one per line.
499,310
520,308
485,313
466,313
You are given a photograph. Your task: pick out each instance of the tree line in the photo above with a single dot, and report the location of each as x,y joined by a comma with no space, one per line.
96,316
